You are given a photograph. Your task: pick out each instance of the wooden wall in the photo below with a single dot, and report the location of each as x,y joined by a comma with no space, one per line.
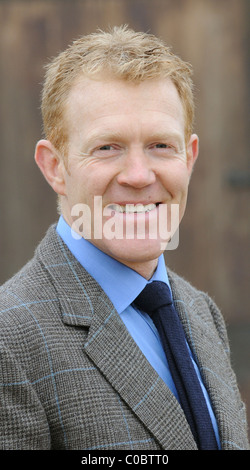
211,34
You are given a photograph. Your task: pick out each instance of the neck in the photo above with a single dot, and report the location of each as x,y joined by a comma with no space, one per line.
145,269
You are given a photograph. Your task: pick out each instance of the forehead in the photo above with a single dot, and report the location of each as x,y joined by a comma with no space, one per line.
111,101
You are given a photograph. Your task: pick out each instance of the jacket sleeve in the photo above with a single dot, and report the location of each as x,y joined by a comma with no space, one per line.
23,423
220,326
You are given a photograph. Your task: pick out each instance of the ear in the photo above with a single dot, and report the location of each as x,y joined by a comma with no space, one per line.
192,152
51,165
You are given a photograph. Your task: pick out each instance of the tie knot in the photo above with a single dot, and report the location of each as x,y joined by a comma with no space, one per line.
156,294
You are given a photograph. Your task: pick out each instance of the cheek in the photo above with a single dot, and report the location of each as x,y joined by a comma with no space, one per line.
75,188
175,180
86,183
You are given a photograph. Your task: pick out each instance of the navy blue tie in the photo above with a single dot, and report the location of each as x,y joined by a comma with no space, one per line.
156,300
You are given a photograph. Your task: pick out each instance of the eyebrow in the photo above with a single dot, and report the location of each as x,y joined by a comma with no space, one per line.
165,135
107,136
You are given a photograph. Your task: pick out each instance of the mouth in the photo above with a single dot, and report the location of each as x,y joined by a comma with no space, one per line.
131,208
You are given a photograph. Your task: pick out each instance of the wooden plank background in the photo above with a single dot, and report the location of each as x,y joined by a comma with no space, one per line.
213,35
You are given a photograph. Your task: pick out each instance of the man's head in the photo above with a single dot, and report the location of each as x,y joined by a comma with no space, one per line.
118,114
120,53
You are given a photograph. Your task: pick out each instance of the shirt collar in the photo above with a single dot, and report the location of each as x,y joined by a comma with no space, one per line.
121,283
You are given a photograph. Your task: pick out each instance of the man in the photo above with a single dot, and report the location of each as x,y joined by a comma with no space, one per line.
83,366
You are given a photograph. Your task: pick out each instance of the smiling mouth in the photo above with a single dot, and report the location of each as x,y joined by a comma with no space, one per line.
133,208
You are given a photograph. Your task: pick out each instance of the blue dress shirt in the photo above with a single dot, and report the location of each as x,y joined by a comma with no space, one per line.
122,285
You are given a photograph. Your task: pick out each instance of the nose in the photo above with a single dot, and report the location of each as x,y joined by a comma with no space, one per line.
137,170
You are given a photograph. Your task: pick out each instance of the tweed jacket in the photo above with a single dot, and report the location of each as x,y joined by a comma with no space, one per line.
73,378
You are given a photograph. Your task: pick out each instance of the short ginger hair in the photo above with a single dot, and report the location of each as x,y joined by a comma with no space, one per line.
119,52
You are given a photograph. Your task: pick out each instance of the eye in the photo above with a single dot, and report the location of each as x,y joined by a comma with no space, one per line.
163,149
163,146
107,150
106,147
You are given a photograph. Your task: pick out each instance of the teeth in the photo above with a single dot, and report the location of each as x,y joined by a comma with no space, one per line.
133,208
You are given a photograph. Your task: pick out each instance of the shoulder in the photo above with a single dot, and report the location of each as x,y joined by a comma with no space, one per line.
184,289
28,292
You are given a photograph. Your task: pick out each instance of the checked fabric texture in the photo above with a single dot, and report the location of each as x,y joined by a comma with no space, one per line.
73,378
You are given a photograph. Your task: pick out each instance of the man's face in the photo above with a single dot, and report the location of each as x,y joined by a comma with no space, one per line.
126,147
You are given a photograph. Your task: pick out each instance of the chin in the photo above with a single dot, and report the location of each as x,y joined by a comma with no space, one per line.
134,251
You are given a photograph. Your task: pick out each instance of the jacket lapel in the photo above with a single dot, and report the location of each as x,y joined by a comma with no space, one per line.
117,356
212,357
